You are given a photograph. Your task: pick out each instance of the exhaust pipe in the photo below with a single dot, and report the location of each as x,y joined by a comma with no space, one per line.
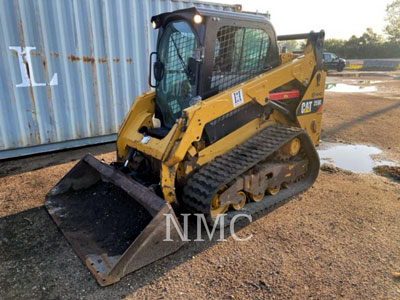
114,224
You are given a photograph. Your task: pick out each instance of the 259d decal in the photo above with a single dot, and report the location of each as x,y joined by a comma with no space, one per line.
309,106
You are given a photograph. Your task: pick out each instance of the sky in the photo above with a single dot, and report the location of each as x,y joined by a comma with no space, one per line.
339,18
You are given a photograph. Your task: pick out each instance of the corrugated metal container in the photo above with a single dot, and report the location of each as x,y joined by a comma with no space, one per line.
71,69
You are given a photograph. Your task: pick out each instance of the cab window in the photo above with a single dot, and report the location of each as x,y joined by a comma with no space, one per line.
240,53
174,91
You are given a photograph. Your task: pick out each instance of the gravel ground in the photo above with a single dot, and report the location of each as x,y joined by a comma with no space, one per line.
338,240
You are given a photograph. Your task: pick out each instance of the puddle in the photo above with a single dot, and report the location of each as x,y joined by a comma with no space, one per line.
355,158
347,88
370,81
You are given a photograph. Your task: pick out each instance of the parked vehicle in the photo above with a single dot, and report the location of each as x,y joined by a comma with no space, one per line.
332,62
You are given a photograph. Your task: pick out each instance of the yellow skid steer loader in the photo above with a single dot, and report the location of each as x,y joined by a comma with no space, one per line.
230,127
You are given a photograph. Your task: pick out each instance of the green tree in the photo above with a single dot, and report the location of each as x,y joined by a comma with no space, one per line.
368,45
335,46
393,20
370,37
289,45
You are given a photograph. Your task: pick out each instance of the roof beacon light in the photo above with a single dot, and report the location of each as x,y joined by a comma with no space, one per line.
197,19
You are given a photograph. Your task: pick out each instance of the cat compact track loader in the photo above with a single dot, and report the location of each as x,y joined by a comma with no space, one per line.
230,127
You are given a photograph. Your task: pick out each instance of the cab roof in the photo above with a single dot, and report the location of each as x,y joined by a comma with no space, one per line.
188,13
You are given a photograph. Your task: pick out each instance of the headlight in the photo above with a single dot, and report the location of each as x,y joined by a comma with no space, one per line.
197,19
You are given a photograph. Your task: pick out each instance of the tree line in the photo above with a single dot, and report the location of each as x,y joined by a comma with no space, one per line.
369,44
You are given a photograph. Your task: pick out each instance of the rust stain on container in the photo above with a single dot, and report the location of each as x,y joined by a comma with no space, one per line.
50,101
55,54
34,116
31,94
116,59
88,59
94,78
32,97
129,60
102,60
21,32
73,58
33,53
109,83
28,71
37,137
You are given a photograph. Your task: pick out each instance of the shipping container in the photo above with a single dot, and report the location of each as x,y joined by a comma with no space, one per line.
71,69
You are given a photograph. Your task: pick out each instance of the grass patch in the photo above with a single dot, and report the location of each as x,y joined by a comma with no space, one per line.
392,172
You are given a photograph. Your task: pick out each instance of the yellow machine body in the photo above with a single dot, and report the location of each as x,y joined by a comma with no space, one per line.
246,146
175,150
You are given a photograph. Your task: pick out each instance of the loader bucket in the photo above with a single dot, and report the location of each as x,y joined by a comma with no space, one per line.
114,224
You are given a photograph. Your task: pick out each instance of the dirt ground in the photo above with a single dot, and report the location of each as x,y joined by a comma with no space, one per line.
366,118
338,240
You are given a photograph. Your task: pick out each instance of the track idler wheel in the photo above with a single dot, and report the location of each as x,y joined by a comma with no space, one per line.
215,208
256,198
292,148
240,205
273,191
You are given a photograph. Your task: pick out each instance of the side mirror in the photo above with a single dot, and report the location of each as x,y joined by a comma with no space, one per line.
194,69
158,68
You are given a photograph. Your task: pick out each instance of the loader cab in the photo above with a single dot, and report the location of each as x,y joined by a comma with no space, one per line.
201,52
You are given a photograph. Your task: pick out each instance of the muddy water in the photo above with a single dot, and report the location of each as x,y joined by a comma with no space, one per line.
355,158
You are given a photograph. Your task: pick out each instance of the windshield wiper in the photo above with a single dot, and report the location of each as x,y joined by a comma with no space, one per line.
188,73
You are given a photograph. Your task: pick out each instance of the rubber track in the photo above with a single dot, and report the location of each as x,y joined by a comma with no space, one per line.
206,182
